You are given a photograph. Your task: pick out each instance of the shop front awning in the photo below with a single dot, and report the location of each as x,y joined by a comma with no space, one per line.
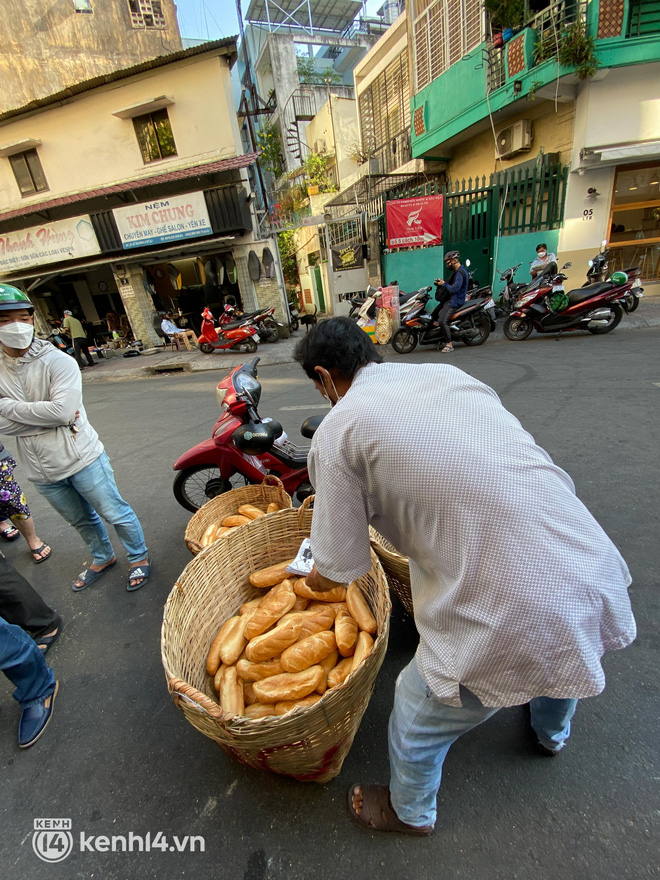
367,188
185,248
235,162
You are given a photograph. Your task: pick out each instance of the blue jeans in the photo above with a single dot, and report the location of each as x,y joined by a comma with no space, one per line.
421,730
23,664
93,491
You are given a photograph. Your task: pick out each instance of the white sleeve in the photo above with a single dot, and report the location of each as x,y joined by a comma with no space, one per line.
340,528
64,398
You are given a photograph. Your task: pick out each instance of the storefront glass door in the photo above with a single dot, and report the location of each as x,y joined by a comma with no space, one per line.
635,226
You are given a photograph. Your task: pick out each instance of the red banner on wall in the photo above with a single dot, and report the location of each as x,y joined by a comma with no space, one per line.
414,222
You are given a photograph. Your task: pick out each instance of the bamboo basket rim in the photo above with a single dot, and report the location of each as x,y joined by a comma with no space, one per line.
270,489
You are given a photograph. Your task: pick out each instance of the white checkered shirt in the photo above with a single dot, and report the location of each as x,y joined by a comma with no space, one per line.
517,590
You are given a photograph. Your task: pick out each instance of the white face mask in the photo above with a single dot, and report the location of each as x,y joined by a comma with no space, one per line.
17,335
542,254
327,397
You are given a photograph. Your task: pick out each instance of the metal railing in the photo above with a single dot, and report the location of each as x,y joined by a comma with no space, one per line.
551,23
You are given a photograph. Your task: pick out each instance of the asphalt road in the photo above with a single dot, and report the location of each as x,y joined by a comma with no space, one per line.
119,758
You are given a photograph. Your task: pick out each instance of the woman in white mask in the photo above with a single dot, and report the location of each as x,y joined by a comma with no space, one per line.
542,261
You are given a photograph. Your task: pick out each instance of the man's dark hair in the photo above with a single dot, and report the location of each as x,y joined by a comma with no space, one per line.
336,344
541,247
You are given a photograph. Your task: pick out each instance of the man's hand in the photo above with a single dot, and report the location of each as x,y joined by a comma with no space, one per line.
318,582
439,281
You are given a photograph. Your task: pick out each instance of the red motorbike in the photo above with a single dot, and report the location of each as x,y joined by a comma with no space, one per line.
243,447
263,320
594,307
238,335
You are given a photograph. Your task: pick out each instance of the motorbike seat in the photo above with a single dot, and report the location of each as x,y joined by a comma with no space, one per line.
232,325
404,297
582,293
469,304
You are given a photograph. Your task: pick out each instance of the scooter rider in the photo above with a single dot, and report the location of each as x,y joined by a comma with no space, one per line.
455,292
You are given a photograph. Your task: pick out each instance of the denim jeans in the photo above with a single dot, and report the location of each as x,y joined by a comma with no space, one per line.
23,664
93,491
421,730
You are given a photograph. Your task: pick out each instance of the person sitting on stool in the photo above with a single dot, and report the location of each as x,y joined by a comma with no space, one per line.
456,288
170,329
79,338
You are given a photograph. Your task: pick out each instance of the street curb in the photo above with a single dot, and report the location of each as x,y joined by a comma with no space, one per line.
271,358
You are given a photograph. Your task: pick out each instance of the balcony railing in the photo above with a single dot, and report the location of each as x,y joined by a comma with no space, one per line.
551,23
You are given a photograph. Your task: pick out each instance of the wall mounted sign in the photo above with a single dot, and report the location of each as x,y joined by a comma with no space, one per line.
346,256
414,222
50,243
163,220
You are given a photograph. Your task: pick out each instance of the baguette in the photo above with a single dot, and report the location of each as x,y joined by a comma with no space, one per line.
346,630
272,643
340,673
251,606
214,656
308,652
268,577
273,606
316,621
358,607
337,594
218,676
301,604
289,685
259,710
364,645
250,511
249,696
231,693
233,642
273,507
251,672
207,537
284,706
328,665
235,520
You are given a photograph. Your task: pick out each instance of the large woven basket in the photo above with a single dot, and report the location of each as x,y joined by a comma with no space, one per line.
309,744
396,567
215,510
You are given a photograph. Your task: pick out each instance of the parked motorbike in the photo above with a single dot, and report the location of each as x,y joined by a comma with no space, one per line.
365,306
513,290
469,324
263,320
294,318
598,271
243,447
237,336
595,307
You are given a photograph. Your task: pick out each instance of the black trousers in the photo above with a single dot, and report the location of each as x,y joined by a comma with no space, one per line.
80,348
20,604
441,314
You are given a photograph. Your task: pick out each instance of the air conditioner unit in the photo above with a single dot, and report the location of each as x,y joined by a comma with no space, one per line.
516,138
319,145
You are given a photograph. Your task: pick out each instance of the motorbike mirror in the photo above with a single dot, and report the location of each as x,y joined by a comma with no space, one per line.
567,266
310,426
591,262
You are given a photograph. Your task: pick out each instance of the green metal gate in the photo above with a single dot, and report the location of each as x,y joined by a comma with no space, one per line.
319,287
469,226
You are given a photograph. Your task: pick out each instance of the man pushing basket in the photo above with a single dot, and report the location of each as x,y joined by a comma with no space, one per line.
431,459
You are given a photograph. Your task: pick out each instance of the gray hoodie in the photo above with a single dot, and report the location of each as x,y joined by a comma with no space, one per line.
40,394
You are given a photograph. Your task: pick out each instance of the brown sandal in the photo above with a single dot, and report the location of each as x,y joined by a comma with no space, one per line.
378,813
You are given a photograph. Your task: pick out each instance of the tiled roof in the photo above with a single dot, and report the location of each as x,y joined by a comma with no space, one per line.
139,183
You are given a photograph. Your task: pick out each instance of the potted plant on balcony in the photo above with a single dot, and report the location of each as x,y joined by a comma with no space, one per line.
578,50
506,16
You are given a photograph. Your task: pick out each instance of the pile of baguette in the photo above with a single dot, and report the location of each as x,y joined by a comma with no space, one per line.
284,649
245,514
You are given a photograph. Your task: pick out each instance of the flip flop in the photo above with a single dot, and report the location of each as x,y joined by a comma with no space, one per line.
378,814
138,571
44,643
10,534
40,550
88,576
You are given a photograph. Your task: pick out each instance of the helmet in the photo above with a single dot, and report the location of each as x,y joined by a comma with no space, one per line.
255,438
13,298
452,255
618,278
